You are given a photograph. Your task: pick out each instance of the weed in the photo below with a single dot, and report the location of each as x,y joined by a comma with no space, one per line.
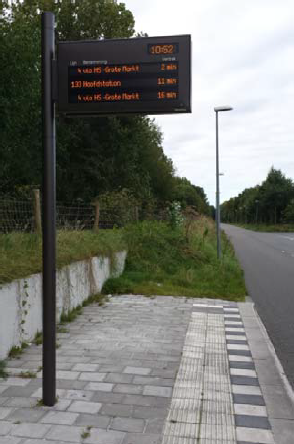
61,329
16,351
70,315
38,339
28,375
3,372
86,433
40,403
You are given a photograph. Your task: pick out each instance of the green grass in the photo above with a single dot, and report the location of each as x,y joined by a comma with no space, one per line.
16,351
3,372
28,375
166,261
21,253
278,228
38,339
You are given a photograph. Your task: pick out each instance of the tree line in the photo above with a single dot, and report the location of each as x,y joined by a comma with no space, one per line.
94,155
272,202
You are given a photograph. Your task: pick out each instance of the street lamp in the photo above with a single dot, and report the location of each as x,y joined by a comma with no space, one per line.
218,109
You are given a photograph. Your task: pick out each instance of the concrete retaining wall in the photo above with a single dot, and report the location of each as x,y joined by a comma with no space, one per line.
21,300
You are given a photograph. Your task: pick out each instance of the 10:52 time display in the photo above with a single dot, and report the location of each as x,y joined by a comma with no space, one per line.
171,48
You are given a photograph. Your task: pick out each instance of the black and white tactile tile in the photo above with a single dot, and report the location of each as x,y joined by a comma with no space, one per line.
217,398
251,419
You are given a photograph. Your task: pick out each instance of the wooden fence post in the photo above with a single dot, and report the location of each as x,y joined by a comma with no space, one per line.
37,211
97,216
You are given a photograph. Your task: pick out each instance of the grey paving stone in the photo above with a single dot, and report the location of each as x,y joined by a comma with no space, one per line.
20,402
30,430
254,422
132,389
68,384
164,373
248,399
23,392
116,410
65,433
149,412
100,436
128,425
244,380
85,395
141,400
151,390
64,365
279,406
65,418
153,380
135,438
26,415
85,367
155,425
107,398
100,386
9,440
244,365
85,407
5,427
111,368
137,370
92,376
100,421
4,412
118,377
283,430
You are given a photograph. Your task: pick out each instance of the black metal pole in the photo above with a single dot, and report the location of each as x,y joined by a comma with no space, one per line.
49,212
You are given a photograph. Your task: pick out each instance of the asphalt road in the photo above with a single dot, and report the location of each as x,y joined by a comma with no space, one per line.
268,263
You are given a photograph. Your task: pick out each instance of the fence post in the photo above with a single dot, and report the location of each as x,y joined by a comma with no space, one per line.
37,211
97,216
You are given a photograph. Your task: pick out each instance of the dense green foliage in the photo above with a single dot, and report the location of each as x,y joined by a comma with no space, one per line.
94,156
178,260
272,202
21,253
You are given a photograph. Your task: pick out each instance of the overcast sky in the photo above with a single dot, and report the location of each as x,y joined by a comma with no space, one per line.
243,56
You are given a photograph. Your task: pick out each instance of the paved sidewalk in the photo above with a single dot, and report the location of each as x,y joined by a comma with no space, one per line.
158,370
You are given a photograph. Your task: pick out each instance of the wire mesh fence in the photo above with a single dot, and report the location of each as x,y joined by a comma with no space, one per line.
25,215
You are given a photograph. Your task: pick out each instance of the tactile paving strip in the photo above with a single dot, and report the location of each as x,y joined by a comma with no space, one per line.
216,362
202,407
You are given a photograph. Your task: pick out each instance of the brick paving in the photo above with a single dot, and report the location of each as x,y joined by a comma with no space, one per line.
116,368
157,370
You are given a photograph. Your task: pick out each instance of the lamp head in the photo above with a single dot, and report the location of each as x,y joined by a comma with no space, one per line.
222,108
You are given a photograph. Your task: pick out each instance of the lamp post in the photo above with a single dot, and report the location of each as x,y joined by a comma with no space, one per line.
218,109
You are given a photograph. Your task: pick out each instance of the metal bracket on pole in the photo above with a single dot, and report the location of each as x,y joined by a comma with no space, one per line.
49,210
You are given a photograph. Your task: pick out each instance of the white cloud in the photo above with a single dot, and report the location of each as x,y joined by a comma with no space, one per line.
243,55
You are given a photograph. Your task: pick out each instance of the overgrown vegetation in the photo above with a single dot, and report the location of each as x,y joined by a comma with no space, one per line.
3,372
38,339
181,260
16,351
21,253
28,375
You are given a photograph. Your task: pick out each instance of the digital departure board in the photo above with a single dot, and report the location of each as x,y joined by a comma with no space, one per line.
149,75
